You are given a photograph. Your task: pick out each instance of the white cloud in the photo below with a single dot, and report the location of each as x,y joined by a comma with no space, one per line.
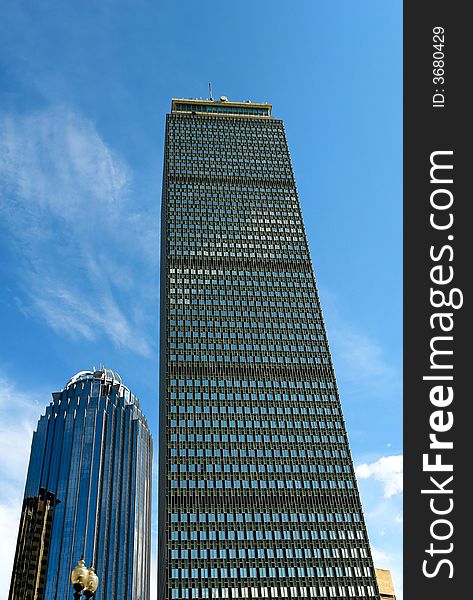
380,558
54,158
19,413
78,243
387,470
380,484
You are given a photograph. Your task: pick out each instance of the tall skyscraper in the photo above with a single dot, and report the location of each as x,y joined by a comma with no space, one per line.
91,460
258,497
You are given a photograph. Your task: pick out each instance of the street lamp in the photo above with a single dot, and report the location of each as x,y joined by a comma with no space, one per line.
92,584
79,578
84,581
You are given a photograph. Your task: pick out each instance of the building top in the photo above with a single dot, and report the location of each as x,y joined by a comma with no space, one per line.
221,107
385,584
105,375
108,378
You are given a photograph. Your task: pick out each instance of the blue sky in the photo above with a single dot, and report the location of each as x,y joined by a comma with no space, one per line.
84,88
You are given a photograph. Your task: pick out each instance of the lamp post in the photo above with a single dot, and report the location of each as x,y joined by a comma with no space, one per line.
79,578
92,584
84,581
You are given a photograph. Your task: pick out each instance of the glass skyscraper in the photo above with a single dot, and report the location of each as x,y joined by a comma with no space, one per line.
258,497
92,455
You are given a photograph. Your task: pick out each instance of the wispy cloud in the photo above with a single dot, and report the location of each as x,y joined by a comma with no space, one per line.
364,354
19,412
387,470
78,242
360,357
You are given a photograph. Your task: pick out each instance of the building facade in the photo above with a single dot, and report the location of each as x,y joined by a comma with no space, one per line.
32,548
258,497
92,455
385,584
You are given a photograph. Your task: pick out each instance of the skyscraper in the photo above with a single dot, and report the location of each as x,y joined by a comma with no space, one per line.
258,497
91,460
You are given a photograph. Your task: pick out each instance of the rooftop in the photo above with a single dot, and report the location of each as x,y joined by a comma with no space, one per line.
105,375
222,106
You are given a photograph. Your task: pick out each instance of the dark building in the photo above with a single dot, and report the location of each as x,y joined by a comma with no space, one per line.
32,547
92,452
258,497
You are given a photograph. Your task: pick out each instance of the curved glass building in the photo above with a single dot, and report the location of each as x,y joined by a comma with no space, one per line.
92,454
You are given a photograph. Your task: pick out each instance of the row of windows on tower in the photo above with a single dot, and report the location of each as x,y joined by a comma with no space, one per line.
269,384
184,554
300,459
257,131
276,592
252,213
269,341
244,359
240,220
264,435
233,277
247,347
268,572
267,517
279,318
239,168
241,425
222,234
237,297
243,228
205,329
222,150
202,289
260,467
304,404
232,191
256,171
195,244
186,127
226,155
262,484
270,533
225,147
237,250
239,223
257,219
225,404
253,216
281,453
221,318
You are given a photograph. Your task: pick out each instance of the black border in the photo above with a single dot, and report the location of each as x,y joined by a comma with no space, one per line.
428,129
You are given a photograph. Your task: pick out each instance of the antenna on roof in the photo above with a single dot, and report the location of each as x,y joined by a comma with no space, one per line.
210,90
